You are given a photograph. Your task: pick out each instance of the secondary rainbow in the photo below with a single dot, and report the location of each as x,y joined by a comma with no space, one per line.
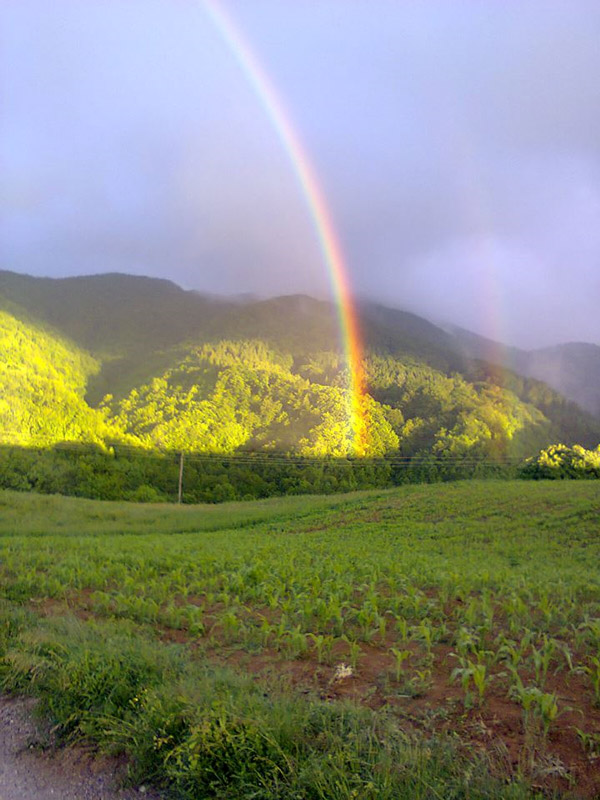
477,211
329,244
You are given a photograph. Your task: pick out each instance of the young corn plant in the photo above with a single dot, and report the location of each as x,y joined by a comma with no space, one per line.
512,653
294,643
547,607
475,673
593,672
526,696
231,625
466,641
197,628
590,743
516,610
568,655
509,654
542,658
335,616
420,682
588,633
402,628
400,657
425,633
323,645
320,611
368,619
547,708
537,705
487,614
265,631
354,651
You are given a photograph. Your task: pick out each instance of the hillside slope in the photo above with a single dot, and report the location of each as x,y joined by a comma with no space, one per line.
43,379
116,357
571,369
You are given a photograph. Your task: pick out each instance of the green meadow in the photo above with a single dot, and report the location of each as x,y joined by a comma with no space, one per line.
428,641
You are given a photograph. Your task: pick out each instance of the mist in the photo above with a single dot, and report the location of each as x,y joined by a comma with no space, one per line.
457,145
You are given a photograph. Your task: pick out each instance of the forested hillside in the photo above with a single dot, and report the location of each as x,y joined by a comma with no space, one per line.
114,358
44,379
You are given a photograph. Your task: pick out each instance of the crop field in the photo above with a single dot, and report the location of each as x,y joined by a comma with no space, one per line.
422,642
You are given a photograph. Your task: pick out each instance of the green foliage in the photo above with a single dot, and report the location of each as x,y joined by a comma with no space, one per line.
201,732
205,376
559,462
449,416
43,380
137,475
301,578
232,395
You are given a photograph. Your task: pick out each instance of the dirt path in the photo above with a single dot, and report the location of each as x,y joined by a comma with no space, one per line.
27,773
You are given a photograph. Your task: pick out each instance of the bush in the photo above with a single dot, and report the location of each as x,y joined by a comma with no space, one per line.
559,462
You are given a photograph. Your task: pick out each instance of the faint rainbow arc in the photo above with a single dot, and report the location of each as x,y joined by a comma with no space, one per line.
319,213
477,208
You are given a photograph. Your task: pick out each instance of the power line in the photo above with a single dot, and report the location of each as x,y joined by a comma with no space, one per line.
259,458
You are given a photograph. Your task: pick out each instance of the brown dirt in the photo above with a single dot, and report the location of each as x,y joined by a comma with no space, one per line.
556,763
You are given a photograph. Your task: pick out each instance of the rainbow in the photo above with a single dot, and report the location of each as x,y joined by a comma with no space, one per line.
478,213
319,213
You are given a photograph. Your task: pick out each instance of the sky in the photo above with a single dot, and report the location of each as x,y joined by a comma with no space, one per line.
456,144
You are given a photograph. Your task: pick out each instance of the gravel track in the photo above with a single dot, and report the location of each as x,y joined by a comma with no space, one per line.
28,773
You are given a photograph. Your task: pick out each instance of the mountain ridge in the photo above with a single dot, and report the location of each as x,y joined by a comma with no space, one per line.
571,368
178,369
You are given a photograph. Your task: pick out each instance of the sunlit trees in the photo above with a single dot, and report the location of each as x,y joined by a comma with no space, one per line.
558,462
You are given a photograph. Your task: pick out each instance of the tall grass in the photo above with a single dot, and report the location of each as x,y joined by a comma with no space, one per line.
198,731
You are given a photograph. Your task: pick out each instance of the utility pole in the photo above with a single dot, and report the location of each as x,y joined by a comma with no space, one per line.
180,493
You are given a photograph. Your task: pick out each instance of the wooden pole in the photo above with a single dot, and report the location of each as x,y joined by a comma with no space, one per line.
180,493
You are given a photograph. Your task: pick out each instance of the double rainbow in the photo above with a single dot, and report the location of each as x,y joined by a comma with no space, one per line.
319,213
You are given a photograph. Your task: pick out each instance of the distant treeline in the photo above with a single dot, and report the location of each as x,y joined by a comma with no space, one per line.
129,474
124,473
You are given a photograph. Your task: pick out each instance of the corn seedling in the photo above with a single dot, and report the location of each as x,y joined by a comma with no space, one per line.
537,704
294,643
593,672
323,645
420,682
590,743
542,658
475,673
400,656
402,628
354,651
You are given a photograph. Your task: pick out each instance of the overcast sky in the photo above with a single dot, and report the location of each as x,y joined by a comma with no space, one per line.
457,145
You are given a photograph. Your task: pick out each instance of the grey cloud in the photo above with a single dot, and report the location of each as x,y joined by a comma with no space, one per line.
458,146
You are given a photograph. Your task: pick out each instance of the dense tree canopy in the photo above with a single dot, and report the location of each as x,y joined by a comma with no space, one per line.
266,379
43,381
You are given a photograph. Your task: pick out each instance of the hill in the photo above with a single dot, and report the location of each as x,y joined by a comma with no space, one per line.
44,379
571,369
112,315
141,361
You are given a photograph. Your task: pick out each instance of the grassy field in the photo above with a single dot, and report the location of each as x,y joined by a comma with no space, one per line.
423,642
